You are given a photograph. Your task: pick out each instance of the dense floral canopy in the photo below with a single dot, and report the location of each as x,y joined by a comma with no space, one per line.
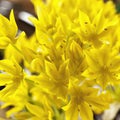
68,68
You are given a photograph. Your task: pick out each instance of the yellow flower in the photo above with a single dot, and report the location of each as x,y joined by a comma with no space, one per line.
22,100
103,66
10,77
54,79
8,31
75,46
38,112
93,31
18,99
84,100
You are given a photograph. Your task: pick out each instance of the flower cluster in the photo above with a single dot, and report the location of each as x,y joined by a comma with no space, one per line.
68,68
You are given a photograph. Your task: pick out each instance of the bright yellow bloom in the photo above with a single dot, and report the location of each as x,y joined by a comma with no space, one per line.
18,99
84,100
74,48
22,100
54,79
93,31
38,112
11,77
8,31
104,66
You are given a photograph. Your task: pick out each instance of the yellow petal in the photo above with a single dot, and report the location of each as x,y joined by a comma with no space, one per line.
28,53
5,79
85,111
76,52
98,21
84,21
35,110
14,28
12,111
92,62
6,29
37,65
7,66
4,42
63,71
71,111
51,69
8,90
